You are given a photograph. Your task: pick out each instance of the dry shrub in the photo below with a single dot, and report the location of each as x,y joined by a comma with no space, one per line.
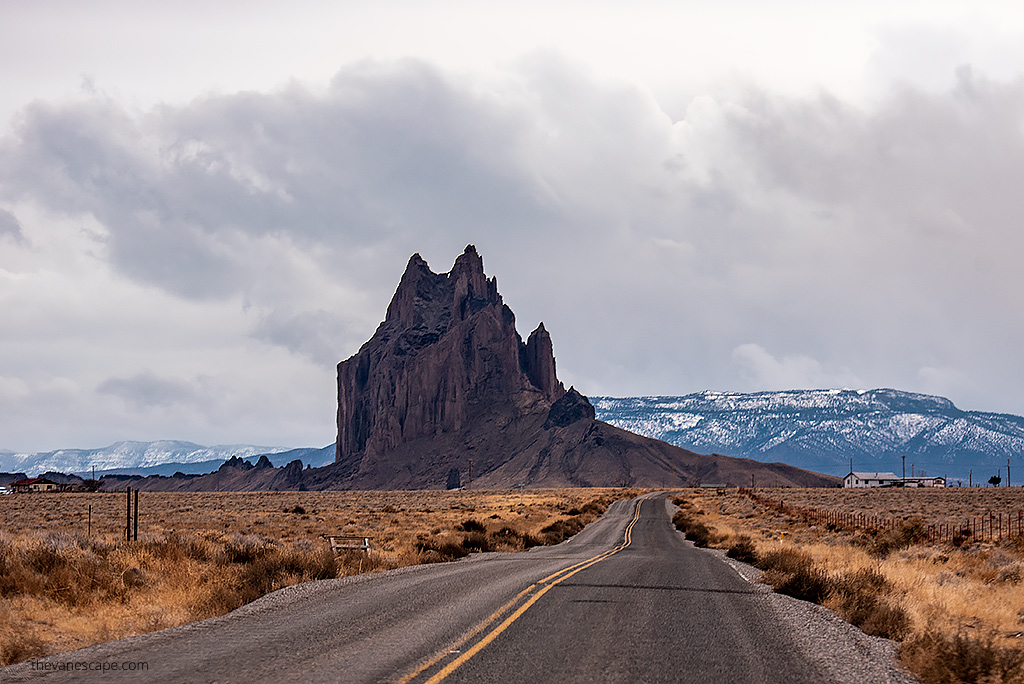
865,598
476,541
60,567
743,549
247,548
694,530
910,531
510,539
19,642
471,525
560,530
795,574
440,550
961,536
939,658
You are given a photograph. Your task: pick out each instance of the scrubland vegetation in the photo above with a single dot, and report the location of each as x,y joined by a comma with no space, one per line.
203,554
956,609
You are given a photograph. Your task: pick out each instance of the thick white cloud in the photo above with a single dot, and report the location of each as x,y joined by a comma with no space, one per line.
194,270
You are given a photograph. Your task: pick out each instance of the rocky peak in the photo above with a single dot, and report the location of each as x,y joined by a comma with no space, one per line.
236,462
570,408
472,291
447,351
539,364
420,290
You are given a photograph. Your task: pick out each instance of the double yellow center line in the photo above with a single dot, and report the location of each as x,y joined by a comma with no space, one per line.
531,595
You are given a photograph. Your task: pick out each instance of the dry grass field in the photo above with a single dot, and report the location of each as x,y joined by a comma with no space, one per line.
957,609
935,506
203,554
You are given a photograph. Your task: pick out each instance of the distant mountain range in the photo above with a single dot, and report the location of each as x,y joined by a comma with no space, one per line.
819,430
163,457
822,430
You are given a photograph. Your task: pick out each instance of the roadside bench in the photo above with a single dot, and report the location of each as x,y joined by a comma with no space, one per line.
340,544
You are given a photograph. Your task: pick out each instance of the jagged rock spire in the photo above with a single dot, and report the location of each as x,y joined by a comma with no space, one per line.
540,364
447,350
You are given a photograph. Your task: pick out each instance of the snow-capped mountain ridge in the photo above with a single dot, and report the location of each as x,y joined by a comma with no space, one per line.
823,429
127,454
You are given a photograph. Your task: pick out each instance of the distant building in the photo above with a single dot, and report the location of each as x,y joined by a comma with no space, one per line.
871,480
925,482
35,484
890,480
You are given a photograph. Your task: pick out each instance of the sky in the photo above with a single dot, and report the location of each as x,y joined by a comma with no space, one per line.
205,206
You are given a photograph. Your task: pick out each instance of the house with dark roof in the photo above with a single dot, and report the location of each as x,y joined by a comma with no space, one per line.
35,484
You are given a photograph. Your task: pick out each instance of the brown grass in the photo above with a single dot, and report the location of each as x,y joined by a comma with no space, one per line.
204,554
956,609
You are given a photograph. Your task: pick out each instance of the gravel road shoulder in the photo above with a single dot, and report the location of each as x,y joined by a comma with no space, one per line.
835,646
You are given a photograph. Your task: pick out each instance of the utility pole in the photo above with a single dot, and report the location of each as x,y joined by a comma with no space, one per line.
904,468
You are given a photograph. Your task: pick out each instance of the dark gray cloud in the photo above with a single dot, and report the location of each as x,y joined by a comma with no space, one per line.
147,390
761,240
10,228
389,150
318,335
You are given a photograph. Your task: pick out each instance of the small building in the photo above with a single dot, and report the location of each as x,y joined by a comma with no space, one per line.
35,484
924,482
871,480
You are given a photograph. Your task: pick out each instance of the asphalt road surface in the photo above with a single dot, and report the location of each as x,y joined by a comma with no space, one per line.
626,600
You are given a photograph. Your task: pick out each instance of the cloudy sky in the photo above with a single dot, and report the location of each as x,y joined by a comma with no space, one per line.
204,206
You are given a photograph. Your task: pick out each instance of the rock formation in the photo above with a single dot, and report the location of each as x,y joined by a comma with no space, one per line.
446,381
447,353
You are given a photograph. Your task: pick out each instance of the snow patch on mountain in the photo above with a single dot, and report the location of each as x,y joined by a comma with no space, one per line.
823,429
127,454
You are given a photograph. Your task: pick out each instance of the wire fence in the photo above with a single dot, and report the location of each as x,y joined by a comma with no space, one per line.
989,526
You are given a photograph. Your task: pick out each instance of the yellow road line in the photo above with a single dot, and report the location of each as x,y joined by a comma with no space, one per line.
440,655
565,573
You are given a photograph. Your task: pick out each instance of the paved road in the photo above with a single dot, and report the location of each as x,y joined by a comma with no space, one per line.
626,600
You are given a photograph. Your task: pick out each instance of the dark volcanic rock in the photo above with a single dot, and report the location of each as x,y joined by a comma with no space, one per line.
236,462
263,462
539,364
447,352
572,407
454,479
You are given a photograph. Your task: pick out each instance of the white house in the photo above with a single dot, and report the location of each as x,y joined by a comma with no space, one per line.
870,480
